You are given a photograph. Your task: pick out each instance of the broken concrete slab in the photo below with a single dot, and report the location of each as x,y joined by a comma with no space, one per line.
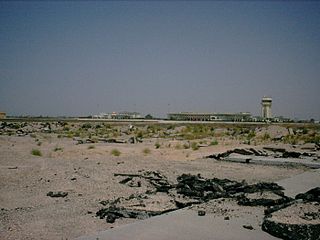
308,162
262,199
187,225
300,183
298,221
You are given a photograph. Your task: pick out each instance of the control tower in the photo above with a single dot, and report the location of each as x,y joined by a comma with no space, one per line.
266,103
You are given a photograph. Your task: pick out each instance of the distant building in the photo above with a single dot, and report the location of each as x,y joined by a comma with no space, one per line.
125,115
266,104
119,115
226,117
2,115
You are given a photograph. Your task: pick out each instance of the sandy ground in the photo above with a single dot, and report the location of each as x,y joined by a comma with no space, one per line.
86,173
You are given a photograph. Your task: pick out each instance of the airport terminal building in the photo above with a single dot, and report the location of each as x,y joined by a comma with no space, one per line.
223,117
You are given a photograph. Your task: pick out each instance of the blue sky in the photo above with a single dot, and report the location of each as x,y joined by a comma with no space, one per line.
81,58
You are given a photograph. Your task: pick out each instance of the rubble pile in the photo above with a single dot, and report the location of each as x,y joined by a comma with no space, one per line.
163,196
189,190
267,151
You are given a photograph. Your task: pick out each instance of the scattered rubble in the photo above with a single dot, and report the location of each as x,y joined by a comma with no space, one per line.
189,190
194,190
155,178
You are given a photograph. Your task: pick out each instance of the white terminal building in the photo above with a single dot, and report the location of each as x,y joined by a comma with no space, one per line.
266,104
119,115
226,117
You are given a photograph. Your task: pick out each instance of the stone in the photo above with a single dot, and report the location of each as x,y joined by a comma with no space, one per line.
201,213
57,194
248,227
311,195
287,154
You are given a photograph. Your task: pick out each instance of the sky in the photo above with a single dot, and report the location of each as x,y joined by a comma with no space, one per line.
80,58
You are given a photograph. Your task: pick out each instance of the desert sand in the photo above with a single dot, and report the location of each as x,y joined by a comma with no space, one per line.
86,171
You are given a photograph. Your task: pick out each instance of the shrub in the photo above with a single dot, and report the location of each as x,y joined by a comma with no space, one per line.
146,151
266,136
36,152
115,152
213,142
194,146
290,139
157,145
39,143
140,134
91,147
178,146
251,135
86,126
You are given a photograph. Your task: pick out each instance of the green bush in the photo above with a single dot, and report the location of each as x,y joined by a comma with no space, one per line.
115,152
178,146
146,151
213,142
266,137
194,146
157,145
36,152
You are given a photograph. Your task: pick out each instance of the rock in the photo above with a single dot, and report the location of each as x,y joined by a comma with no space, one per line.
111,218
57,194
275,149
291,154
243,151
201,213
132,140
248,227
311,195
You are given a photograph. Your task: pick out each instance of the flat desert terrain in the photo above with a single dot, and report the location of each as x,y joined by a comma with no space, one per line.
84,160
